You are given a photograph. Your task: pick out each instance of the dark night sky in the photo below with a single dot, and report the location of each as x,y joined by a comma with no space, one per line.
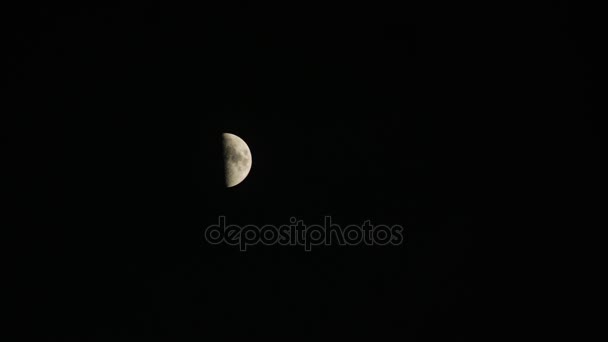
431,117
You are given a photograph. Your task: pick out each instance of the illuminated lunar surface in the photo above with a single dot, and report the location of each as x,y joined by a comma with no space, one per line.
237,159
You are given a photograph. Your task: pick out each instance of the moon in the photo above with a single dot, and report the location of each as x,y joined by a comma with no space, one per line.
237,159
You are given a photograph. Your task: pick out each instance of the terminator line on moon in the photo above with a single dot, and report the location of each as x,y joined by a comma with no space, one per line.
237,159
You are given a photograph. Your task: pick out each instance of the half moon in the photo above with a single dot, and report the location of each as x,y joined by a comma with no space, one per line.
237,159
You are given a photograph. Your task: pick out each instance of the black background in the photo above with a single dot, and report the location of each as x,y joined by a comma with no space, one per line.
447,119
